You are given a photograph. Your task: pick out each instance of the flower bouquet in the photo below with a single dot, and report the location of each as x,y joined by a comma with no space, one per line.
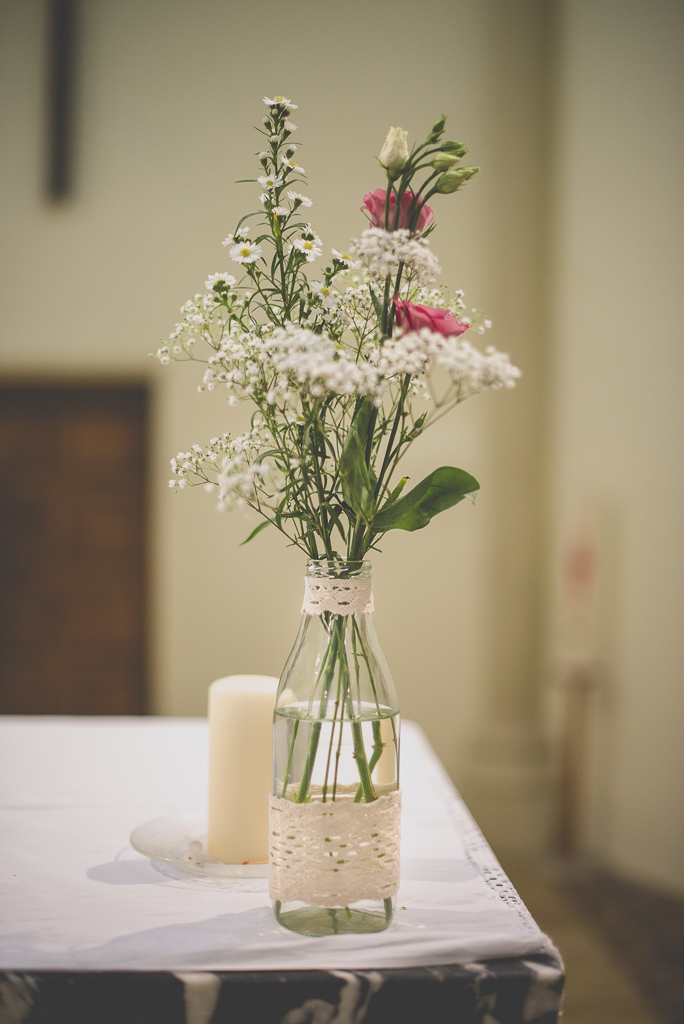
345,372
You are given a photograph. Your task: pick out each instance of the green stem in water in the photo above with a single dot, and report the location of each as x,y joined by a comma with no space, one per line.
337,757
304,785
362,763
330,747
303,791
290,753
378,747
357,730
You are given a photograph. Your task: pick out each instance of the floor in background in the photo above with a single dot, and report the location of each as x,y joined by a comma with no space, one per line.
622,945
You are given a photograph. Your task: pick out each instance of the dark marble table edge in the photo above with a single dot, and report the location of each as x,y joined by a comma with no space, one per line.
521,990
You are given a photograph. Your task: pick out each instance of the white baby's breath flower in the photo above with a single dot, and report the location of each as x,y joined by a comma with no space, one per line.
383,252
245,252
269,181
314,362
296,197
417,352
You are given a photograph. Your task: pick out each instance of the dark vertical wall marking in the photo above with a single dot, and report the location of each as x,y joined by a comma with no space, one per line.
61,91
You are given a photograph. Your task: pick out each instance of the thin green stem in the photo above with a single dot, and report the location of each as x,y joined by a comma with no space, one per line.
303,791
357,735
337,757
393,432
362,762
332,739
290,753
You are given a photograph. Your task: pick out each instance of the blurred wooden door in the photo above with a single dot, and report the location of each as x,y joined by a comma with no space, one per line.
72,550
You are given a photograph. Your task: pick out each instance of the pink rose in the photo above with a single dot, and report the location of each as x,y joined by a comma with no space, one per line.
374,205
413,316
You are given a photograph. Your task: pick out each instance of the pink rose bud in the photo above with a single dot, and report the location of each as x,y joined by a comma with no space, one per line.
413,316
374,205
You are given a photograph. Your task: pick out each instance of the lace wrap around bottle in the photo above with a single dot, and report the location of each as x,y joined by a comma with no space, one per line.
335,853
340,597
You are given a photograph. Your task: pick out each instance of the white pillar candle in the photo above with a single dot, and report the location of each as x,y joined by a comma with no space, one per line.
240,760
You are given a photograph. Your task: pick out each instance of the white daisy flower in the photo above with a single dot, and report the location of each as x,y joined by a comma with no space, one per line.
298,197
280,211
245,252
325,293
268,181
345,258
213,279
265,197
240,233
280,101
311,247
289,162
290,127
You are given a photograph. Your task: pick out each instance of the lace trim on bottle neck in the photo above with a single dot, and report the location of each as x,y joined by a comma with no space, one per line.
339,597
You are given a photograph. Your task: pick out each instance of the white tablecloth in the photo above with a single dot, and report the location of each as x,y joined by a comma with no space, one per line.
75,896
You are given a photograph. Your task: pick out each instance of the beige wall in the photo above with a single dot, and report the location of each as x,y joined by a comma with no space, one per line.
169,92
618,409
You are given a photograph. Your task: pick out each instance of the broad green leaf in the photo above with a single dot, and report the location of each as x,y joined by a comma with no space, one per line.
357,484
257,529
439,490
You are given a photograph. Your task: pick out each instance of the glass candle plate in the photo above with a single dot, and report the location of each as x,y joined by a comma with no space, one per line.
181,840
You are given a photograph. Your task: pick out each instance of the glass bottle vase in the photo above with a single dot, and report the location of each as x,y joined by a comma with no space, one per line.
335,806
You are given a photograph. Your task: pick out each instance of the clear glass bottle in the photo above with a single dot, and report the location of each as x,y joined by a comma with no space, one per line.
335,764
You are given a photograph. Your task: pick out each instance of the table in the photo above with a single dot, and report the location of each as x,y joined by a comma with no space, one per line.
93,932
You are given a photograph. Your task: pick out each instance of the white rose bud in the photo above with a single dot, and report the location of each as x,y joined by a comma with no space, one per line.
394,155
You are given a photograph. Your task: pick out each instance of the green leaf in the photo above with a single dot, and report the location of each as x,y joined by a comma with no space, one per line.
357,483
266,455
439,490
257,529
396,492
377,305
